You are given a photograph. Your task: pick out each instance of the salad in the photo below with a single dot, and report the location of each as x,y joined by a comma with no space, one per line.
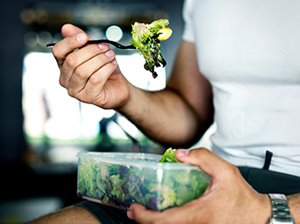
120,179
169,156
146,38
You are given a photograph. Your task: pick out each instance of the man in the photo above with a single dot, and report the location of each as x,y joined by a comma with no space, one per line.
237,66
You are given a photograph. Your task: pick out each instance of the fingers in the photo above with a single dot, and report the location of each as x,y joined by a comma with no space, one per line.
93,67
74,38
93,91
206,160
142,215
182,214
79,58
67,45
69,30
85,71
77,63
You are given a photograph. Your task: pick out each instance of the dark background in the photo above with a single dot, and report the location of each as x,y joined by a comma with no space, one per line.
21,183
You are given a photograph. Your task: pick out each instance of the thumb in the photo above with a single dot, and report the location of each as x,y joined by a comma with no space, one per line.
69,30
206,160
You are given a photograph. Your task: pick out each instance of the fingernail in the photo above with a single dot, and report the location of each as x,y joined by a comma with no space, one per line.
182,152
129,214
80,37
114,62
109,53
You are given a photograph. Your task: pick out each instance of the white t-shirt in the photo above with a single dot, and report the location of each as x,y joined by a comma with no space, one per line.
250,52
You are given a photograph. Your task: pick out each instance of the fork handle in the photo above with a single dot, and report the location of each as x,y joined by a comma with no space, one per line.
116,44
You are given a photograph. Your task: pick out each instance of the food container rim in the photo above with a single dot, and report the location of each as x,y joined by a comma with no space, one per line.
142,160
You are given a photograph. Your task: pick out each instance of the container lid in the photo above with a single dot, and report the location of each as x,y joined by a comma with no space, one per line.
142,160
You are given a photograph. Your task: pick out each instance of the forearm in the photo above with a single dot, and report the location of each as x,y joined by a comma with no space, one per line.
178,115
163,116
294,204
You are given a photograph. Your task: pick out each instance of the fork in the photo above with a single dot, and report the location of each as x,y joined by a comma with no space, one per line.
116,44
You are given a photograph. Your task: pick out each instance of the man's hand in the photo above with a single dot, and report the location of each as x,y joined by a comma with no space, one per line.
89,73
229,198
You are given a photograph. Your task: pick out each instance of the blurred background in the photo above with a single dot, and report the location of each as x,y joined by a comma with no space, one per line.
42,128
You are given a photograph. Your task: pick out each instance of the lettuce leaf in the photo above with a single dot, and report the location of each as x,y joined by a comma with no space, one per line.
169,156
145,38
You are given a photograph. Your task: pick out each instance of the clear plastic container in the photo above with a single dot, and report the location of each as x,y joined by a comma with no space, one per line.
120,179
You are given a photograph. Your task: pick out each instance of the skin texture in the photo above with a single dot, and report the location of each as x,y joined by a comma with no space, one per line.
228,194
68,215
91,74
221,198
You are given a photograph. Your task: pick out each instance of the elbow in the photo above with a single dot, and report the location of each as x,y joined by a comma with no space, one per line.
191,137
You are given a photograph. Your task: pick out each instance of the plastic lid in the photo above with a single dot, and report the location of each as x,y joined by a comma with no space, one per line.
143,160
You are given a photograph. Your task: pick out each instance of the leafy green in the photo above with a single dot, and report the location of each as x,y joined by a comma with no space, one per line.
160,187
169,156
145,38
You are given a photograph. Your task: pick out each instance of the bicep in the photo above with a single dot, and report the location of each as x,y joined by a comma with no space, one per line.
188,82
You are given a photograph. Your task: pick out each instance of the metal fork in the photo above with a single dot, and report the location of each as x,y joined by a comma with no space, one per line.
116,44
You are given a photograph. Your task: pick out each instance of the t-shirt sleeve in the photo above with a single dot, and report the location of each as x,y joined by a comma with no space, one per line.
188,32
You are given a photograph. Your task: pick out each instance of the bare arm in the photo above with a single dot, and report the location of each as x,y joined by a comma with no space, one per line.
182,112
294,204
71,214
176,116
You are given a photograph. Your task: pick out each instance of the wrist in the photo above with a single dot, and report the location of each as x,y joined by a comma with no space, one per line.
265,209
294,205
280,210
126,106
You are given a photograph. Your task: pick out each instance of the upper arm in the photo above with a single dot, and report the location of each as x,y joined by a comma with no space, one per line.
188,82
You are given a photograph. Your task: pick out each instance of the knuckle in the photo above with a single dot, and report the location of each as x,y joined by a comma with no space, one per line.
232,170
55,50
205,151
71,92
57,55
95,79
102,59
102,74
61,82
70,60
109,68
200,152
80,73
